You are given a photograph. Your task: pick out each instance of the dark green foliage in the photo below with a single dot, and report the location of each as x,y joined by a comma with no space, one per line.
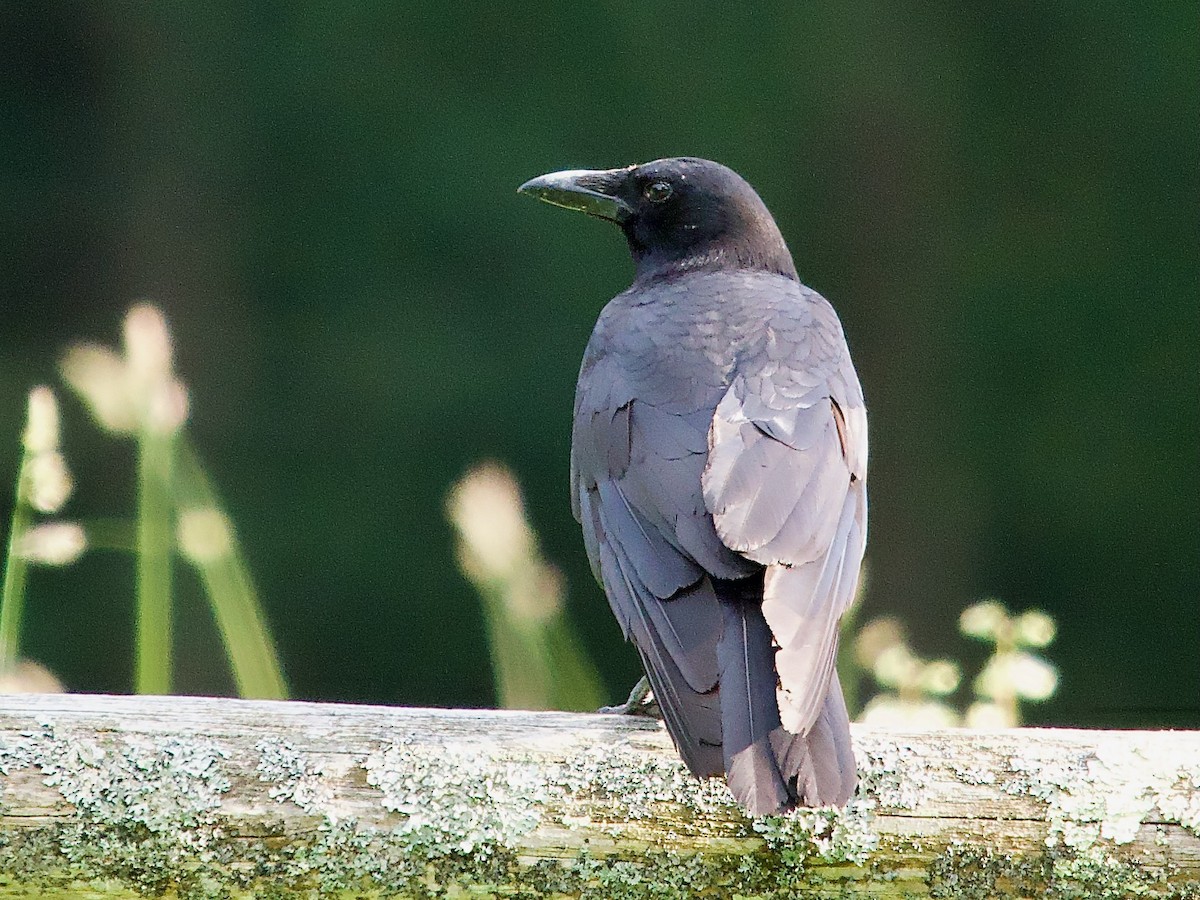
999,198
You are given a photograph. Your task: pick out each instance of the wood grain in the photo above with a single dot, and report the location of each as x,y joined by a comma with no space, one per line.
193,797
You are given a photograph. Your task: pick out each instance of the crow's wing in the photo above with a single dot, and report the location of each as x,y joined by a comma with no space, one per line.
786,485
639,445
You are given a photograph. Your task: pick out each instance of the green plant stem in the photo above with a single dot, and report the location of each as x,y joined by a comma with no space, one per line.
573,674
12,601
519,669
538,663
155,539
231,593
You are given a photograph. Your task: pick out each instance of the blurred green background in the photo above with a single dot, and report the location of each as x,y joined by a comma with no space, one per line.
1000,200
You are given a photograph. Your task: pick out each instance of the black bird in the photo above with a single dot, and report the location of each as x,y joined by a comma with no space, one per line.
718,467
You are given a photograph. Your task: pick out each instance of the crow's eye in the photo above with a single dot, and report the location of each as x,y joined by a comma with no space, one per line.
658,191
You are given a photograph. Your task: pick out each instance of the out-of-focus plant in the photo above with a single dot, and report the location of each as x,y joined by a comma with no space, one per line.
1012,673
915,687
43,486
136,394
139,395
29,677
538,660
917,691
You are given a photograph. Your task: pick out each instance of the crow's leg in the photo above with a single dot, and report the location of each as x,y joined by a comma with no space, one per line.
641,702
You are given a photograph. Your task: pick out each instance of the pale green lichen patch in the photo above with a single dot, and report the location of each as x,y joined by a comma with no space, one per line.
166,784
975,775
293,778
831,835
964,872
892,775
457,800
143,808
1106,794
635,786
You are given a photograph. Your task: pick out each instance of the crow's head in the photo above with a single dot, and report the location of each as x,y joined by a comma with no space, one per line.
679,215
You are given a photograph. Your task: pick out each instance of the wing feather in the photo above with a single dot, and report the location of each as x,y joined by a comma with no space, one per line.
720,434
786,485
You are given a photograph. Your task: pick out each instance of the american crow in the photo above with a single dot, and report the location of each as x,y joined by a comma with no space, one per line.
718,467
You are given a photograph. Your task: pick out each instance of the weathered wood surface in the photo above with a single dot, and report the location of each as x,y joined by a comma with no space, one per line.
188,797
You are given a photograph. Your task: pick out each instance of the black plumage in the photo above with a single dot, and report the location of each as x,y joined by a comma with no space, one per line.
718,468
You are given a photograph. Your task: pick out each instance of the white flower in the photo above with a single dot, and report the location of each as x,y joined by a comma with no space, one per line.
98,376
204,535
167,406
486,508
45,482
994,681
49,481
983,620
41,424
147,345
53,543
940,677
988,715
896,666
137,390
1017,674
1035,628
875,637
1032,677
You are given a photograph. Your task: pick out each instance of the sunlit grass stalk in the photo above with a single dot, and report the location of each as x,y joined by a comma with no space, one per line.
1006,695
43,485
16,569
209,543
537,659
137,394
539,663
519,660
574,678
155,540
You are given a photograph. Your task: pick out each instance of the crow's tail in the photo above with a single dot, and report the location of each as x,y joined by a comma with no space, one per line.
769,769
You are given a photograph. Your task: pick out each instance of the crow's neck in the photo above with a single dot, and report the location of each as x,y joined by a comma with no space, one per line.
726,253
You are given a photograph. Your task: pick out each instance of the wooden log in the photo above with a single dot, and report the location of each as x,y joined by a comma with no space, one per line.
198,798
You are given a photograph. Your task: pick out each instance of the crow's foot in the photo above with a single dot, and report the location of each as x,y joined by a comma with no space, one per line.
641,702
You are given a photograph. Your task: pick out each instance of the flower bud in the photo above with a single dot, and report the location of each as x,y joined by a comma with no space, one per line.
53,543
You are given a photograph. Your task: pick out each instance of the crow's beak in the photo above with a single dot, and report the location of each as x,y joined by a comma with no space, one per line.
594,192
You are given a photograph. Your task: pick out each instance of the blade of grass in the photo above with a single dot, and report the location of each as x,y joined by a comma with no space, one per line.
538,662
16,570
573,675
155,539
519,663
219,561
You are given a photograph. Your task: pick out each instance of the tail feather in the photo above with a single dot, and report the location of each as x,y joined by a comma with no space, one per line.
820,764
749,711
769,769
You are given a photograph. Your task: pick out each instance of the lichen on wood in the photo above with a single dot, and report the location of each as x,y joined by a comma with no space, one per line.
199,798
